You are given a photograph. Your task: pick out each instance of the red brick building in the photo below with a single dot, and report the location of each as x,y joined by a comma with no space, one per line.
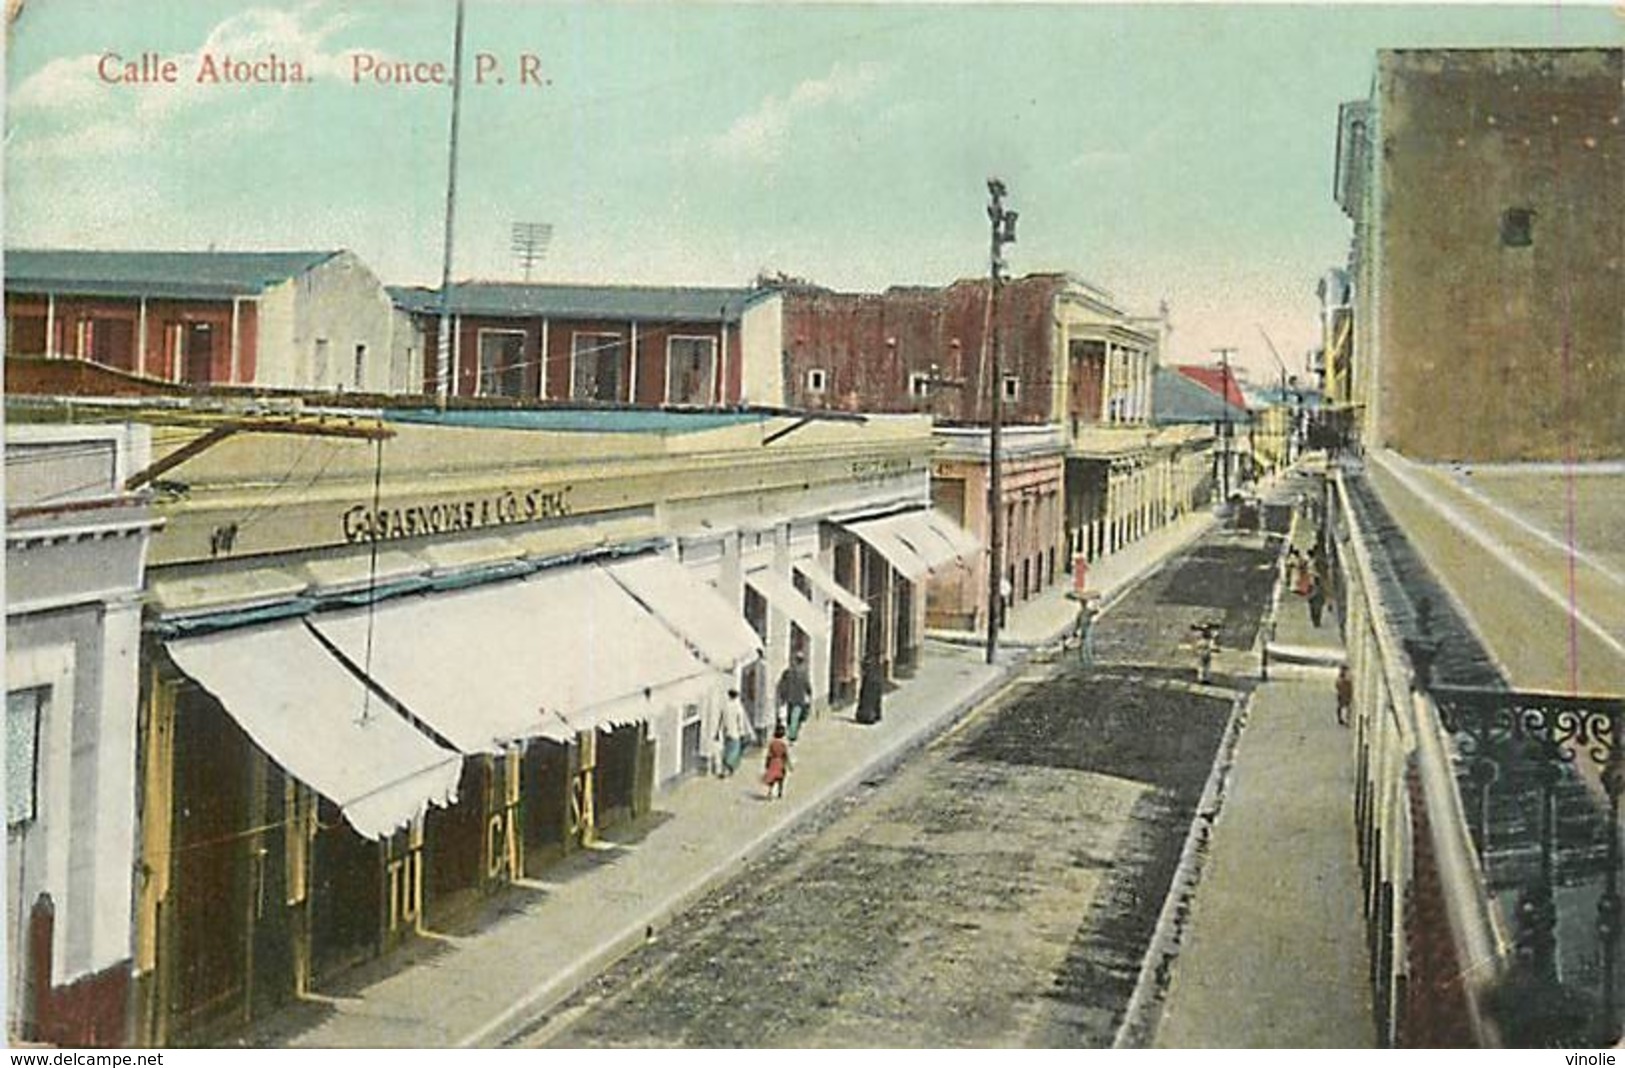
317,320
916,348
638,345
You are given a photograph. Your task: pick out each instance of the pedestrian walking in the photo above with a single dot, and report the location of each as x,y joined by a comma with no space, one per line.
1345,695
777,766
1317,598
795,695
1294,567
1084,629
715,744
1302,583
733,726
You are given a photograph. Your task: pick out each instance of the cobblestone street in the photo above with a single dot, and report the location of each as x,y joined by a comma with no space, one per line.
999,890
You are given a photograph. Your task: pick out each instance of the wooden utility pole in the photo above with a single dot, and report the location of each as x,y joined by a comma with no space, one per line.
1224,434
1003,225
442,367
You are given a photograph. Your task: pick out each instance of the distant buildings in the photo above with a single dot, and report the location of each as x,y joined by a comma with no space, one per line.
631,345
316,321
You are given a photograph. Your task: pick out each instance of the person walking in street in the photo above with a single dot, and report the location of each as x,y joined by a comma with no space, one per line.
733,725
1084,629
777,767
795,695
1345,695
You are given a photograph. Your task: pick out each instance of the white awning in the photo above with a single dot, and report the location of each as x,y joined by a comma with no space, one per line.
319,722
691,607
546,656
832,589
965,544
783,595
917,543
896,552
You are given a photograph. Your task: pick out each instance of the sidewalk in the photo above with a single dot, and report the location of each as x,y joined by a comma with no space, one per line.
1044,619
1273,954
476,989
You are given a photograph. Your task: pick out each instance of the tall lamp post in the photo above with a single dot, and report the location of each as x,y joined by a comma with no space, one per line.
1003,226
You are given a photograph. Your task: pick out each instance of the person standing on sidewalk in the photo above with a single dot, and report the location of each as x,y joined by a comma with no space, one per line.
777,767
1345,695
733,726
795,695
1317,598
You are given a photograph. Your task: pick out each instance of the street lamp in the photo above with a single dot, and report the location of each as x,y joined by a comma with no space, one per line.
1003,229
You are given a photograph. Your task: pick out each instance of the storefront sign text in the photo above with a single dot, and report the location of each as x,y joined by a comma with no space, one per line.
880,470
362,523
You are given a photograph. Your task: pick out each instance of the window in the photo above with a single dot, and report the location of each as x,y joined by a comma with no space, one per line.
27,336
817,381
320,375
197,347
1012,388
502,363
690,370
22,754
596,363
1518,227
919,385
360,367
112,342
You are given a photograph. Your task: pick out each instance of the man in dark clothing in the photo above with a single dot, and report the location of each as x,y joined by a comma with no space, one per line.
795,695
1345,695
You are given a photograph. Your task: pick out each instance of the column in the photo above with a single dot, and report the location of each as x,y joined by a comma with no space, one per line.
541,364
1146,381
632,367
1106,385
103,897
141,338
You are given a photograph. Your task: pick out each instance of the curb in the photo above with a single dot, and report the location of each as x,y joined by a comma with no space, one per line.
1156,968
548,995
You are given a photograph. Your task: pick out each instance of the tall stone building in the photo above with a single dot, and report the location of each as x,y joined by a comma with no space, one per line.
1487,191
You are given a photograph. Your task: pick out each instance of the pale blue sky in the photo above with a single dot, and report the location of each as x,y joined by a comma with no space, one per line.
1179,152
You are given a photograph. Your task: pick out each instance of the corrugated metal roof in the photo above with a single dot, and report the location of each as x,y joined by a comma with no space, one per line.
647,303
1178,399
205,275
1217,380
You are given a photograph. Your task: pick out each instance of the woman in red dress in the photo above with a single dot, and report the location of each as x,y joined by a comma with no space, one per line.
778,763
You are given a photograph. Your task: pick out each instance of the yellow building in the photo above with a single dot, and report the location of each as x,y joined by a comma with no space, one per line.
394,660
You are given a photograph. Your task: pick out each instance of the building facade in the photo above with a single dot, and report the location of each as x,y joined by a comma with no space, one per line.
1033,494
384,664
314,321
1075,371
76,545
1487,192
616,345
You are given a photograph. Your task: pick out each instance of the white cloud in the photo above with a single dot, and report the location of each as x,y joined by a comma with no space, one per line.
65,110
761,135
